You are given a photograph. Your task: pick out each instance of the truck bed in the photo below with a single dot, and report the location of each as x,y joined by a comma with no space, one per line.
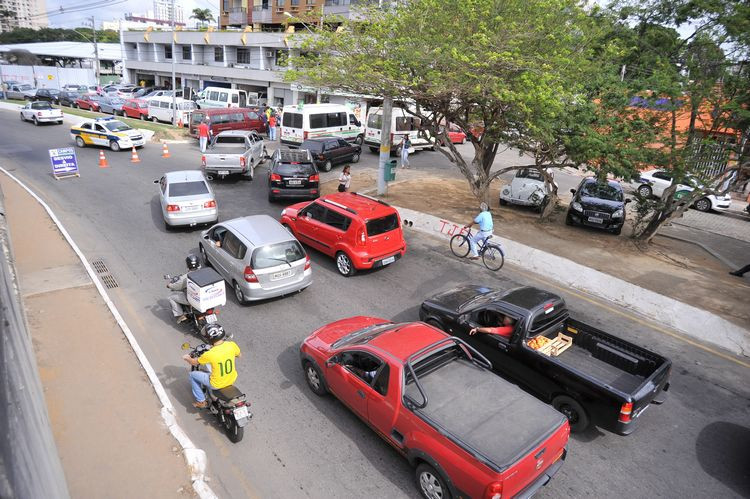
488,416
605,373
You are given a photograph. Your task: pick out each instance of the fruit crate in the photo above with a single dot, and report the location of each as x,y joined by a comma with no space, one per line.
557,346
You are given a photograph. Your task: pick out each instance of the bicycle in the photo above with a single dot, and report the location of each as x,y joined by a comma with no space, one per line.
492,255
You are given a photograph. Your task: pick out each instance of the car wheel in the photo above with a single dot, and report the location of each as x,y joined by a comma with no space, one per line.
355,158
204,256
645,191
359,140
503,202
114,145
239,294
431,484
287,227
35,121
314,379
703,204
143,117
571,409
374,149
617,231
344,264
22,118
327,166
80,142
435,323
569,220
271,198
167,227
154,119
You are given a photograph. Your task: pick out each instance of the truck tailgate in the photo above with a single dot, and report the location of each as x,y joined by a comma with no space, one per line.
226,159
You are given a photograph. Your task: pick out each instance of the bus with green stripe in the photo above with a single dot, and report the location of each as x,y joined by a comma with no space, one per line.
307,121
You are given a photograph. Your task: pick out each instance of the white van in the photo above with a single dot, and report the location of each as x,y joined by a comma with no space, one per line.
299,123
402,123
225,97
160,109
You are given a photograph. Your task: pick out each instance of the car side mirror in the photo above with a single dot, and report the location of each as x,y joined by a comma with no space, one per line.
156,181
463,320
628,200
332,361
572,191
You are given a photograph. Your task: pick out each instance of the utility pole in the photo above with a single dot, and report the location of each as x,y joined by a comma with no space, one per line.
174,78
96,52
125,78
385,145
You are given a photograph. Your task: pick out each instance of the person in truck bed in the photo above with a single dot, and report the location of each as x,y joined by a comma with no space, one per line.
505,326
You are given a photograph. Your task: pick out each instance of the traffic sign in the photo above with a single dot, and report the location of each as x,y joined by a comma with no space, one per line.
64,162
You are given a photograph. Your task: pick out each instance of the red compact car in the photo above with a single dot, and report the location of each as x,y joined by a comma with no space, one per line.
90,102
135,108
361,232
456,135
432,397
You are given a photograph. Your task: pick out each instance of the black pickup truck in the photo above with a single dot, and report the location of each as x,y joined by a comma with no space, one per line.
599,378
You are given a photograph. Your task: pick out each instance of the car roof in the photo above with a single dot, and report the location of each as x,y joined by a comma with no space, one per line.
312,107
238,133
184,176
259,230
219,110
322,139
294,156
406,339
364,206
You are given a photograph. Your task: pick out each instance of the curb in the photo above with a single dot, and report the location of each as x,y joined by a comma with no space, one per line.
194,457
687,319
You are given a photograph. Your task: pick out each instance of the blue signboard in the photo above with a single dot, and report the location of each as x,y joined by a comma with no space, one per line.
64,162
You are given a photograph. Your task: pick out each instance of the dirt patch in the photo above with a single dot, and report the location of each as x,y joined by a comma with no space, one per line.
672,268
170,134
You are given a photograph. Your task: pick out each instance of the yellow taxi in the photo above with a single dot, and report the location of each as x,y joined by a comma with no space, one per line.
107,132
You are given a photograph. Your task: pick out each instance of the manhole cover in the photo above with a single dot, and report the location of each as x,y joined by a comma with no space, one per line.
106,277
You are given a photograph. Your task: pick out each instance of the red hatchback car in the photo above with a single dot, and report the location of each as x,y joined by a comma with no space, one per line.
90,102
135,108
359,231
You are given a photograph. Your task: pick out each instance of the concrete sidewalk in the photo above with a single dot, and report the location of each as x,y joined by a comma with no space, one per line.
104,413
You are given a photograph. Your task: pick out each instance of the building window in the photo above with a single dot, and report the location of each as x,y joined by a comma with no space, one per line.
187,54
219,54
293,2
279,3
243,56
167,51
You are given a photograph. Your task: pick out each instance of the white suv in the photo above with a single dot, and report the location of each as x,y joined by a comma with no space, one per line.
655,182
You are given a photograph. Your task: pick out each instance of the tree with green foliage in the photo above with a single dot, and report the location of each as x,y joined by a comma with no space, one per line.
203,16
28,35
517,68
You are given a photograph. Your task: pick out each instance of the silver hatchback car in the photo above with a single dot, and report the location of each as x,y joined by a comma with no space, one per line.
257,256
186,199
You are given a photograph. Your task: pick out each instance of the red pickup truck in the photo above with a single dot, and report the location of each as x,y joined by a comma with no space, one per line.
467,432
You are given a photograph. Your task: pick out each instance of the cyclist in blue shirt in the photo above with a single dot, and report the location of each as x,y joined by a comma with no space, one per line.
484,220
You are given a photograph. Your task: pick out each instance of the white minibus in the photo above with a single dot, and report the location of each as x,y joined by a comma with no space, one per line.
299,123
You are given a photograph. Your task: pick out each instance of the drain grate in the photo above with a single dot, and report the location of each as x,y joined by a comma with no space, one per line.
107,279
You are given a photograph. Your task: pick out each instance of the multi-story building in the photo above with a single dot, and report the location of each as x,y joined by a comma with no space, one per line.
270,14
22,14
163,11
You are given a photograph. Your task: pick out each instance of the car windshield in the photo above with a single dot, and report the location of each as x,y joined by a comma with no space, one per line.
116,126
40,105
54,91
382,225
275,254
25,87
601,191
364,335
291,169
179,189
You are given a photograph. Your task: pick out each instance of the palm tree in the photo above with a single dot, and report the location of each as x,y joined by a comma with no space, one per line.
203,16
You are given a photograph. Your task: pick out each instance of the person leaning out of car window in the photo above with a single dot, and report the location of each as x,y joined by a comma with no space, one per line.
345,179
504,329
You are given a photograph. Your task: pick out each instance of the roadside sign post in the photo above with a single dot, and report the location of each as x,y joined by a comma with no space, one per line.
64,162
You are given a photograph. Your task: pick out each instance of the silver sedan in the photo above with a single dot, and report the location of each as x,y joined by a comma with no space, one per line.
186,199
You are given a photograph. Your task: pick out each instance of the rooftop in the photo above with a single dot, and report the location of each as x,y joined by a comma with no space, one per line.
73,50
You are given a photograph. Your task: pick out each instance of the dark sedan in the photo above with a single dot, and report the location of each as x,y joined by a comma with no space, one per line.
599,204
328,151
51,95
68,98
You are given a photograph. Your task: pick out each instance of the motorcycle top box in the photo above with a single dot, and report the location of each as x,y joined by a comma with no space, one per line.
205,289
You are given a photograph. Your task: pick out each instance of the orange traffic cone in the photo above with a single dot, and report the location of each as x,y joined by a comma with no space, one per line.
134,156
103,160
165,151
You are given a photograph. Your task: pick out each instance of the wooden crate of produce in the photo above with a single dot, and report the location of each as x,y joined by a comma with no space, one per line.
557,345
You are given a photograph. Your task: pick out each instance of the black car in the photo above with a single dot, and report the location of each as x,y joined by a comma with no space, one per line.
328,151
51,95
293,175
598,204
68,98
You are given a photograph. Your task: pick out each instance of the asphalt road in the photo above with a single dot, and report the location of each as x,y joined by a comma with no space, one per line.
299,445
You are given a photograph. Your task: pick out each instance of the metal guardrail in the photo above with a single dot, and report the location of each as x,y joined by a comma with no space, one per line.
29,464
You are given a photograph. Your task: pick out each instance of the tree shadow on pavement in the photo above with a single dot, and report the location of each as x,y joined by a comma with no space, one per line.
723,451
388,463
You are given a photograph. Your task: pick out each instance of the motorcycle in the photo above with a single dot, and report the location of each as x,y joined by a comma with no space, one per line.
229,405
196,318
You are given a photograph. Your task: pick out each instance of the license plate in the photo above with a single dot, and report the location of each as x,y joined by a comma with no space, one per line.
595,220
223,172
211,318
240,412
388,260
190,208
294,182
281,275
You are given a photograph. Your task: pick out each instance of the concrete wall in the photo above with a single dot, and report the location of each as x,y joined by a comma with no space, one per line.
47,76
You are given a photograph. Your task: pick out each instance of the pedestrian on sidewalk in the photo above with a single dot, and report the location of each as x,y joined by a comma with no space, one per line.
405,146
740,272
203,132
345,179
272,127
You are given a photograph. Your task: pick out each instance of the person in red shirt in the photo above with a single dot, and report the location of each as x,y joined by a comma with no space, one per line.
272,127
505,330
203,132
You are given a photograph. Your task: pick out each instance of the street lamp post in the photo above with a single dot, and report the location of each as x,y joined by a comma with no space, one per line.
174,77
96,49
317,89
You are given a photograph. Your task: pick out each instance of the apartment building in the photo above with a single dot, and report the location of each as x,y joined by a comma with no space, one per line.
270,14
22,14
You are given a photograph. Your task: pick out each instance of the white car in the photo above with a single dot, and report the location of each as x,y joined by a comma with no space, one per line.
186,199
107,132
526,189
41,112
655,182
